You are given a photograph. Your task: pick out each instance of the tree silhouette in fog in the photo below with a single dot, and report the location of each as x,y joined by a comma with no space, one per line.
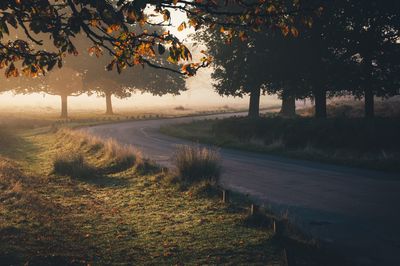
371,38
156,82
351,48
122,85
63,82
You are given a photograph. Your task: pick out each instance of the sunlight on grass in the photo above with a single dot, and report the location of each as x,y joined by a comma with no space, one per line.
123,215
194,163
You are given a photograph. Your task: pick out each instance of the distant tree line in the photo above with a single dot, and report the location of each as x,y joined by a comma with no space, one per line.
351,48
86,74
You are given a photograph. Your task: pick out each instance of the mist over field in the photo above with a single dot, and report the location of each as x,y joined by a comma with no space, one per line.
200,94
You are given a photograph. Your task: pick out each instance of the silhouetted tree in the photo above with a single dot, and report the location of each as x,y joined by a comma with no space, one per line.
61,82
108,87
267,63
156,82
235,74
371,41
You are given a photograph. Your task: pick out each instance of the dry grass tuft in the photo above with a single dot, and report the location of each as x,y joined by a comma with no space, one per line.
194,164
122,156
11,177
73,165
114,156
9,169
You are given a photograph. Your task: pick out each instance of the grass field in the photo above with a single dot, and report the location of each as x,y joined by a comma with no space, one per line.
115,207
39,117
357,142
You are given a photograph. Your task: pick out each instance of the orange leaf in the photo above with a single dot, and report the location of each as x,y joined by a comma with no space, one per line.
294,31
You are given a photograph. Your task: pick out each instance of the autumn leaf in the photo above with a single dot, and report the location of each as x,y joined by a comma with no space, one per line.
95,50
131,16
182,26
171,60
166,15
93,23
294,32
271,9
113,28
193,22
285,30
11,71
243,36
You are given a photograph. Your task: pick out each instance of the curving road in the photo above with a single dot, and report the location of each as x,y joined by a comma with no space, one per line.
354,210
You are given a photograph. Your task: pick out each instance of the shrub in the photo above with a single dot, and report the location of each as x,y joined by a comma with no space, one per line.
72,165
147,167
206,189
180,108
194,164
116,157
120,157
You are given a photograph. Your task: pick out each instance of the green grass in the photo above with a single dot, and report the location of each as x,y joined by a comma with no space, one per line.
372,144
125,215
195,164
38,117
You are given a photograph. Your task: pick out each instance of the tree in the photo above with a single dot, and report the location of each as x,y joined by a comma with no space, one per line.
288,108
266,63
64,83
232,76
22,84
122,85
106,87
372,42
322,58
156,82
107,24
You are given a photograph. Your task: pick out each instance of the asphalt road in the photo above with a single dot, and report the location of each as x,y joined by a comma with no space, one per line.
354,210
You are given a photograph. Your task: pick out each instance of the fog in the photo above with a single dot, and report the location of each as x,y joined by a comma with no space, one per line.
200,94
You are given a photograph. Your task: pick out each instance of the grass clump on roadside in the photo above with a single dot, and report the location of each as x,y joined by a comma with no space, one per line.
110,156
73,165
120,157
195,163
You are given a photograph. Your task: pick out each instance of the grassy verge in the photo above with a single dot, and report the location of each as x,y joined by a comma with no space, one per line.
79,200
372,144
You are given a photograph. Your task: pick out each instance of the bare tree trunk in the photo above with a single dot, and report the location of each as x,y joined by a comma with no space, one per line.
288,108
369,103
109,110
368,92
64,106
320,103
254,105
